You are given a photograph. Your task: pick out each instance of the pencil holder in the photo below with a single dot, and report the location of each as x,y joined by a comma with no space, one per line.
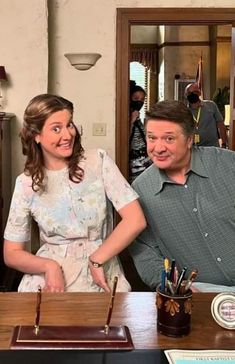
173,313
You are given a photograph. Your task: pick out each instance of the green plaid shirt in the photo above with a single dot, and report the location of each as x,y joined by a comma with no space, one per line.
193,223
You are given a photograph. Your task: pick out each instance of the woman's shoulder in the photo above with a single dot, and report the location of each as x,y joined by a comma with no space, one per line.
24,181
95,153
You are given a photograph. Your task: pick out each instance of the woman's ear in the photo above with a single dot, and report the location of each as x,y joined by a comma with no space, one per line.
37,139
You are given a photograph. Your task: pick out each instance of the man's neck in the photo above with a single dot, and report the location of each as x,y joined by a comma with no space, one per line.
196,105
179,175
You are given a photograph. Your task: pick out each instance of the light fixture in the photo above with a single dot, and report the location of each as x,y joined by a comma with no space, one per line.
82,61
3,78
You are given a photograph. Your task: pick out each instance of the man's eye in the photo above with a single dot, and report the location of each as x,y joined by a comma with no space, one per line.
150,137
170,139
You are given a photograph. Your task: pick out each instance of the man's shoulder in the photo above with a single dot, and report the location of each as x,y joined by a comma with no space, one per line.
214,155
144,180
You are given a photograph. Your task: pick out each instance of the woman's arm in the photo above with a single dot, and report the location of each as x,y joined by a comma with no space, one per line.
16,257
131,224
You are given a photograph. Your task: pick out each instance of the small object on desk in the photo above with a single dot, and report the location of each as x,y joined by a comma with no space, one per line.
223,310
73,337
38,308
110,309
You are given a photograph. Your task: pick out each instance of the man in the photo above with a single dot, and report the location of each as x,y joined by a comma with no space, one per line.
188,198
209,121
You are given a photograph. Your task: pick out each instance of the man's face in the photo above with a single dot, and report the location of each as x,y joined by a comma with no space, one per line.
167,145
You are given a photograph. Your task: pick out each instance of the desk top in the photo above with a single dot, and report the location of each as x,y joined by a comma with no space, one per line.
137,310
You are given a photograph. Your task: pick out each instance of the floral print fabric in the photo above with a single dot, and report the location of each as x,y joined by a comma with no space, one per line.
73,219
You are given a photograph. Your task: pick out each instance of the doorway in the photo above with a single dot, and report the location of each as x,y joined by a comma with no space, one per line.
165,16
154,16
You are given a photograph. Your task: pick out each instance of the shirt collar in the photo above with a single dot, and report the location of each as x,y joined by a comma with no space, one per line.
196,166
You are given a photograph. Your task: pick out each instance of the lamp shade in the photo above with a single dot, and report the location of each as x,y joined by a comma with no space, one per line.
82,61
3,75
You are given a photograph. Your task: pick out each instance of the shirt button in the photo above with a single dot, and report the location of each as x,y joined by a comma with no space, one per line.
219,259
206,234
194,209
185,186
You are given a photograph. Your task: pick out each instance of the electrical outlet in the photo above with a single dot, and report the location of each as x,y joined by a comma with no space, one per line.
99,129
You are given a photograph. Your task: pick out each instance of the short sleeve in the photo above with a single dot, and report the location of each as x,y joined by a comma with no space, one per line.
18,223
117,189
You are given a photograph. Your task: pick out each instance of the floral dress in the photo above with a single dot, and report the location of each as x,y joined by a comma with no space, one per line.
73,220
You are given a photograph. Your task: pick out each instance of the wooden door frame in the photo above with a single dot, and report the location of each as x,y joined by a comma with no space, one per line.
155,16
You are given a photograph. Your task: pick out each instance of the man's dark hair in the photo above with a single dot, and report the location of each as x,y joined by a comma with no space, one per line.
175,111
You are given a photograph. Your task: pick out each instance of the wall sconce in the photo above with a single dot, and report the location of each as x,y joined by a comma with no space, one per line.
3,78
82,61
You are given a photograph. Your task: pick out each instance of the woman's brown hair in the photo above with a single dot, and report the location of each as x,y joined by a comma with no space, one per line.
39,109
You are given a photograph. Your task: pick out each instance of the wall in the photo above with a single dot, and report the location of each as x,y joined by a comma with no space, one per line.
24,53
73,26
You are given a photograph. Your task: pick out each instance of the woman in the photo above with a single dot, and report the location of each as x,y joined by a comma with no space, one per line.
68,192
138,157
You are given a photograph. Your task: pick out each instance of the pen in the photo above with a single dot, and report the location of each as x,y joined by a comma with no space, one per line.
163,281
110,310
38,304
180,279
191,278
172,271
170,287
167,266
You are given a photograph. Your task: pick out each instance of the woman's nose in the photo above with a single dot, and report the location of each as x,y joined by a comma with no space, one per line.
67,133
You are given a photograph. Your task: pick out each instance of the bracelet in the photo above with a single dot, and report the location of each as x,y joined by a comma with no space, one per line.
95,264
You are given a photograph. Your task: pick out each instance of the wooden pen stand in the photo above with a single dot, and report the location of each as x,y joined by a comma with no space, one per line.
72,337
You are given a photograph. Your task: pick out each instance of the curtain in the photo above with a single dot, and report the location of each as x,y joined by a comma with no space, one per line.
147,55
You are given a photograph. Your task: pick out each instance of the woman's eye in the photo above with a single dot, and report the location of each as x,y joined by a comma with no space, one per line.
71,125
56,129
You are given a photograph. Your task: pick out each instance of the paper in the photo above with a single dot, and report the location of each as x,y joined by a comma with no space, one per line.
200,356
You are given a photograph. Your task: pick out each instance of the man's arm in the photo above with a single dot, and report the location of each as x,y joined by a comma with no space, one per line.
222,133
147,258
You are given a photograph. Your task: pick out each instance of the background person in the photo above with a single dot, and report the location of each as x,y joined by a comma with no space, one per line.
68,192
138,157
188,198
208,119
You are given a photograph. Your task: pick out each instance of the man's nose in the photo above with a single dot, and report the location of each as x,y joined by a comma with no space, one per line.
159,145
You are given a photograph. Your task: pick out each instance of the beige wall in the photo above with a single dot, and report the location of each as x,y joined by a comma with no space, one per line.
75,26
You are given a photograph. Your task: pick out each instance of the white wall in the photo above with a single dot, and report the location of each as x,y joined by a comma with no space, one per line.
76,26
24,53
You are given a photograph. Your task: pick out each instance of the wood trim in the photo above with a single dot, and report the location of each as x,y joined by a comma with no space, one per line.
185,44
151,16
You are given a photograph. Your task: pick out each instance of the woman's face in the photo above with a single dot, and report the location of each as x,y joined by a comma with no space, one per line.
57,139
137,100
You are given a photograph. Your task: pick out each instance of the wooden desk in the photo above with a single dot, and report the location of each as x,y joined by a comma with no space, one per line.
136,310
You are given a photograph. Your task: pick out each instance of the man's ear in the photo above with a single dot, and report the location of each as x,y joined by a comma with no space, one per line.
190,142
37,139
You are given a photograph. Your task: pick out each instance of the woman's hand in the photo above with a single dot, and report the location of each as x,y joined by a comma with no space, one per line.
99,277
134,115
54,278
